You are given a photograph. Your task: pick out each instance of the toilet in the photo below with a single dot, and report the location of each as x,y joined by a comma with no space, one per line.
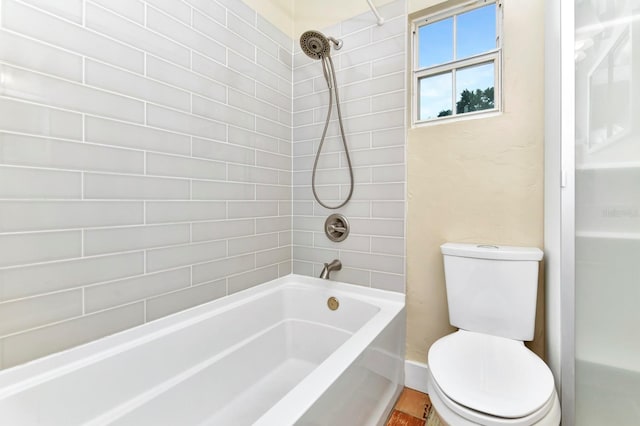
483,374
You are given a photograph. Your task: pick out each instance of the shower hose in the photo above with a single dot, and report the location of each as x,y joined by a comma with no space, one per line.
330,77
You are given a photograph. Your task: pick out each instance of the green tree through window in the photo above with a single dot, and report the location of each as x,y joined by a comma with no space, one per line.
470,100
475,100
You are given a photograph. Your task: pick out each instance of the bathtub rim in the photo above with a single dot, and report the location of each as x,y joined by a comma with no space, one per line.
15,379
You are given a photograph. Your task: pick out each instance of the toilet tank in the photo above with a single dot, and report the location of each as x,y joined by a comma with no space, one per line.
492,289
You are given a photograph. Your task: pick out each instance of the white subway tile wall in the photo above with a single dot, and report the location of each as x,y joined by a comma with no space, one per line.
370,69
157,155
145,163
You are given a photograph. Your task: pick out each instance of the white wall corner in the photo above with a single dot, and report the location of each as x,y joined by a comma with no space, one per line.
415,375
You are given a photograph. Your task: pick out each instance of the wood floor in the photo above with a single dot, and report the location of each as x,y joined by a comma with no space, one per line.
413,408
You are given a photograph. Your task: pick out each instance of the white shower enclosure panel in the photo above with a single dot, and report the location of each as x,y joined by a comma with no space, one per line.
607,212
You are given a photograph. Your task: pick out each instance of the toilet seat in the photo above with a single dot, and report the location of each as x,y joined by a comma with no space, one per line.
455,414
484,375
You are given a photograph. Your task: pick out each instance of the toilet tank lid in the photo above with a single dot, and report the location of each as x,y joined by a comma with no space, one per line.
490,251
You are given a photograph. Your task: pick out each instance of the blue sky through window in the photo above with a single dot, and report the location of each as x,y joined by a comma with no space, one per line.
474,78
436,43
435,95
476,31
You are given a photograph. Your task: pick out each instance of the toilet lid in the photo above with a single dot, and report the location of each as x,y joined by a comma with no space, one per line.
490,374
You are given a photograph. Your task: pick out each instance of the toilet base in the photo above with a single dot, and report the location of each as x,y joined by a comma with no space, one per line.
450,417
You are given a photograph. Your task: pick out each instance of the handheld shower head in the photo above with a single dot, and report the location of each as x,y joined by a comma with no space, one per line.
316,45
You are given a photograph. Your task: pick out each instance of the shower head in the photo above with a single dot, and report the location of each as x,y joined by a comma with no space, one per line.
316,45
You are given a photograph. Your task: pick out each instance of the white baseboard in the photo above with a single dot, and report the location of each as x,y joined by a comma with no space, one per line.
415,375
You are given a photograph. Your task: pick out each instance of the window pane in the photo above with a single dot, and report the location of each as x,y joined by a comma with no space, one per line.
435,96
436,43
476,31
475,88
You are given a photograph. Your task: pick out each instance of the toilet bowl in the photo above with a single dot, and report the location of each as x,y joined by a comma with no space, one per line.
483,374
477,379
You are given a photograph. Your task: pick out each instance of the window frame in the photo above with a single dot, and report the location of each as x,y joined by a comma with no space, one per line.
491,56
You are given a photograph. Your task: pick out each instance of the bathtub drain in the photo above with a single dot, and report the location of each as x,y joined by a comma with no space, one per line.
333,303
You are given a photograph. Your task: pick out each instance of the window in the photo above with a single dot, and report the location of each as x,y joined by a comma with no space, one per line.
456,62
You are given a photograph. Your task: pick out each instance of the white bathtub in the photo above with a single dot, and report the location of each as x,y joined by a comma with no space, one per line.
271,355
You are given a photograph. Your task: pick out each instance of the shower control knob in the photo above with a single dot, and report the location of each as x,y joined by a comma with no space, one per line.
336,227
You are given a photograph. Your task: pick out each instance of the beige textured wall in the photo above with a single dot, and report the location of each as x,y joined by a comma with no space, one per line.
278,12
478,180
319,14
297,16
420,5
294,17
316,15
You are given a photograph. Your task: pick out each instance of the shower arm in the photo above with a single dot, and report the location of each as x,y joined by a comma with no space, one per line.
375,12
337,44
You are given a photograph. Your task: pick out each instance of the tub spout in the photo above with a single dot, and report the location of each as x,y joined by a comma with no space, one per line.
334,265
